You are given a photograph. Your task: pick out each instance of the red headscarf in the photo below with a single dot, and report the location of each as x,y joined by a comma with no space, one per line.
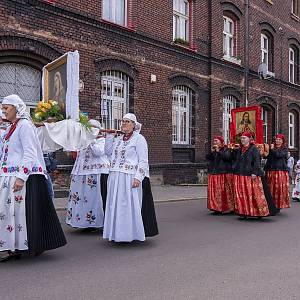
219,138
247,134
280,136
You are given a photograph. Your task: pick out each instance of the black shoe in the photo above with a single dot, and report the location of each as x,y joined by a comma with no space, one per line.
10,255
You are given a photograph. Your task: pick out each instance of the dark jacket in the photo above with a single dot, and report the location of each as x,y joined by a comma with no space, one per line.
277,160
219,162
247,163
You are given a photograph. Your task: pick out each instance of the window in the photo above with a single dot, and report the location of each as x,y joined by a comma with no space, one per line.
292,66
115,11
181,111
228,37
22,80
267,47
229,103
295,7
291,130
181,20
264,49
264,117
114,98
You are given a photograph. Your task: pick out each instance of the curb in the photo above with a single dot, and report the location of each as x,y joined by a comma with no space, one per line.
157,201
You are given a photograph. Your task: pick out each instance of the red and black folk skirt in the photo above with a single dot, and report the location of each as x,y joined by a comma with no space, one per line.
278,182
220,192
249,196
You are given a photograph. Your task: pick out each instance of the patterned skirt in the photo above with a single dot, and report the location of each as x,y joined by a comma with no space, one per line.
220,192
249,197
278,182
13,232
85,205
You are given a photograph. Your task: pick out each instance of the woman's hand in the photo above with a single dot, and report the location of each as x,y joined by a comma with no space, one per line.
253,176
136,183
19,183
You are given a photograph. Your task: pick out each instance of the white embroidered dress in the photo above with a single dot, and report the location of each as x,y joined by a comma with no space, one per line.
85,206
129,160
21,156
296,189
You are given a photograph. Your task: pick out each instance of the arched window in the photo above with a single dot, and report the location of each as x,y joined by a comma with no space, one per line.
229,103
181,115
293,64
22,80
292,129
229,37
114,98
267,50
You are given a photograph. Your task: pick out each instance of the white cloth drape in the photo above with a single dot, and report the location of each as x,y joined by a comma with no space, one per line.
67,134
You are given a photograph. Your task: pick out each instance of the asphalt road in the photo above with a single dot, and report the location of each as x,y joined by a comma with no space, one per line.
196,256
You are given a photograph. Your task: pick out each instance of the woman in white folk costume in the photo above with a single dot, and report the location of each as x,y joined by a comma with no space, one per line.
130,213
88,185
296,189
28,220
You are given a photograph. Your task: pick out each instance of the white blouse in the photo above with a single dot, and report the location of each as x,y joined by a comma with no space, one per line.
129,156
92,160
21,155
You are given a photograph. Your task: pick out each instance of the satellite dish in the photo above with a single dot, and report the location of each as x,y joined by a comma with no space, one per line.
263,71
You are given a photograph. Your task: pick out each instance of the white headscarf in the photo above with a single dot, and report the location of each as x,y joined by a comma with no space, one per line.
132,117
19,104
95,123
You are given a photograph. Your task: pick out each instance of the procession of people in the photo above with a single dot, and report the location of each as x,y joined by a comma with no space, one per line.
110,187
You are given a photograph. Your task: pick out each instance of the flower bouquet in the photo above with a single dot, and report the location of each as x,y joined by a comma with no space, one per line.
48,111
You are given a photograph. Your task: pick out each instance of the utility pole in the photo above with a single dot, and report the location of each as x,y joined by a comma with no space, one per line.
246,51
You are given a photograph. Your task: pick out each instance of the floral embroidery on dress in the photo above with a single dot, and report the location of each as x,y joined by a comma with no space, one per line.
9,228
69,214
19,199
91,182
77,218
75,197
116,154
20,227
90,217
5,185
8,200
2,243
2,217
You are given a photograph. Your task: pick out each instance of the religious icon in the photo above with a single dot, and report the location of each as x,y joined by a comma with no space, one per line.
61,83
246,119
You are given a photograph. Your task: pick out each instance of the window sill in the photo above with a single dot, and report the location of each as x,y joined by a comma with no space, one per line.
187,47
295,17
182,146
131,28
232,60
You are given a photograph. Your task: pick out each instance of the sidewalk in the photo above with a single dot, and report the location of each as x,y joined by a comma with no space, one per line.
165,193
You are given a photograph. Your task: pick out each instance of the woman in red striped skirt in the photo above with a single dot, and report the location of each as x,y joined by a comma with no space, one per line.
277,172
250,200
219,192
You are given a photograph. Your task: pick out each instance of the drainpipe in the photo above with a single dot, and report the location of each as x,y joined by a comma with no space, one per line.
246,51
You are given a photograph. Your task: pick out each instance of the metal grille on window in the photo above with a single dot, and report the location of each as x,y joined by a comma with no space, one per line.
229,103
114,98
181,115
22,80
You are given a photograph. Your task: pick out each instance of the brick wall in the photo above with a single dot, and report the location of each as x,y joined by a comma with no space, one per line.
34,32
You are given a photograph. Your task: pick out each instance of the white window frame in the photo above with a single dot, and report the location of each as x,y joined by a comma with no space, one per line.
264,118
181,19
228,37
181,115
114,98
111,9
292,65
264,49
229,103
291,130
295,7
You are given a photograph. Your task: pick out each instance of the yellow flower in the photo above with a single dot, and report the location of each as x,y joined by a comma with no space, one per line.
37,115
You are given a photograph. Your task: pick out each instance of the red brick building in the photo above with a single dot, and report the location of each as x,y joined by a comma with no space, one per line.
179,65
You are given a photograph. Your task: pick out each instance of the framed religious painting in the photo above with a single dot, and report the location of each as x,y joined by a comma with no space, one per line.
246,119
61,83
